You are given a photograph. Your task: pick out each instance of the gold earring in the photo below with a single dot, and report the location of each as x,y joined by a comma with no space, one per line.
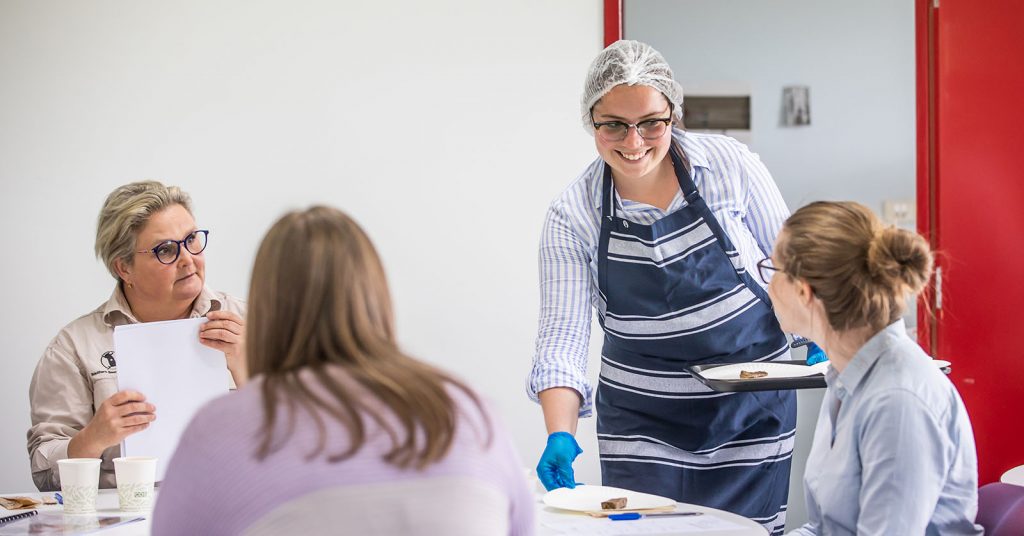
131,285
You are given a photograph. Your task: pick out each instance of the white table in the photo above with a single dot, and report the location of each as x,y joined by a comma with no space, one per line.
1014,476
106,503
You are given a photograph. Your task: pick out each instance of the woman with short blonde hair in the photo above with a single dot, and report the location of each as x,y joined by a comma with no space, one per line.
148,240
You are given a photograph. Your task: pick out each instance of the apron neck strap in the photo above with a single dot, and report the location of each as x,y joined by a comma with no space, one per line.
608,193
679,161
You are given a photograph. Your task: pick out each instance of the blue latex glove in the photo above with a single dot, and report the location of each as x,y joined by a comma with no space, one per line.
815,354
555,467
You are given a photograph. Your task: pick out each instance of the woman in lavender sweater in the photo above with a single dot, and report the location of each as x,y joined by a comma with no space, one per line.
338,431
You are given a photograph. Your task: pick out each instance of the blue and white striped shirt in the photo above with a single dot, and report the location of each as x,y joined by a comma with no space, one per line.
737,188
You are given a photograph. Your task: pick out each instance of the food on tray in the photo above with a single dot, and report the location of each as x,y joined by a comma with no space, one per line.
617,503
746,374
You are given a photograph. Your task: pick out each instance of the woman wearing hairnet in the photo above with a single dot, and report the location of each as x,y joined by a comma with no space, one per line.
661,234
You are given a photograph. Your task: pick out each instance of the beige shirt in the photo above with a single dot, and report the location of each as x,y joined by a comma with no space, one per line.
77,373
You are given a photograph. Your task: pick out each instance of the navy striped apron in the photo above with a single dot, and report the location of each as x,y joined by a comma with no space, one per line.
673,294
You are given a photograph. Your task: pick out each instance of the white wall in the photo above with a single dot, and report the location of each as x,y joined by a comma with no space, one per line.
444,127
857,58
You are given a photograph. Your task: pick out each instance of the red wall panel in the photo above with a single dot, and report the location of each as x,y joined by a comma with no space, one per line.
976,215
612,21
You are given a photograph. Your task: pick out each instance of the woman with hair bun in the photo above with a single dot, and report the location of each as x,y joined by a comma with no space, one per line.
893,451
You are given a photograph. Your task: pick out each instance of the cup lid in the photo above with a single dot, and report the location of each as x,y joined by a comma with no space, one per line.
71,461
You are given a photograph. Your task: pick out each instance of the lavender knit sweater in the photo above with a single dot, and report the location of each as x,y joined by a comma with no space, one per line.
216,485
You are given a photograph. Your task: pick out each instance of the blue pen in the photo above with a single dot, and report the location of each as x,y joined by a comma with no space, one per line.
60,500
799,341
637,515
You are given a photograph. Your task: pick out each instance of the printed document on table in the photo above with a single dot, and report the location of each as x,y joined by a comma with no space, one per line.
584,526
166,362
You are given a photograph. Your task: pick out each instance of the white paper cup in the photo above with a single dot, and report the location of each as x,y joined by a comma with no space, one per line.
79,483
135,477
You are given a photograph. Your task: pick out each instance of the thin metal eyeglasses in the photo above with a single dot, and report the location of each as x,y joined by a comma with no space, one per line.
168,251
648,129
766,270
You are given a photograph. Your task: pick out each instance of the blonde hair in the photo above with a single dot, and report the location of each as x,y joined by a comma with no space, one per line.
861,270
319,300
125,213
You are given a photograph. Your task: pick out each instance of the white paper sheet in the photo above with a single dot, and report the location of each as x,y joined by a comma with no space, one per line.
166,362
580,526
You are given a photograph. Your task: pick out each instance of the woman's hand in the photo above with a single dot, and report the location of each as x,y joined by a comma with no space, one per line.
121,415
225,331
555,466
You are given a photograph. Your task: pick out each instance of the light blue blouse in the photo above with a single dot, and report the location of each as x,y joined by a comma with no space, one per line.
893,451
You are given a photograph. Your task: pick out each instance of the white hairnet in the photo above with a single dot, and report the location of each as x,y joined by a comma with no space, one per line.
631,63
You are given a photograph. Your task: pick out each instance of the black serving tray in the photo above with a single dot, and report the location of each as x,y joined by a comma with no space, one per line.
816,381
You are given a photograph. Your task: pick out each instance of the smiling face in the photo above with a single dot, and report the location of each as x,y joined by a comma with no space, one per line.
164,285
633,158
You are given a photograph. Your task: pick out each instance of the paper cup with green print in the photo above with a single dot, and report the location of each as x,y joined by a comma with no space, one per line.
79,483
135,478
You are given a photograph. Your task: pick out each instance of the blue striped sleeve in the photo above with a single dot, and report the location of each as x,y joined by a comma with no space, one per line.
563,333
766,211
733,181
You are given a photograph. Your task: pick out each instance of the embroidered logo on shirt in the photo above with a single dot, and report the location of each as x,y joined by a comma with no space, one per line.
109,365
107,360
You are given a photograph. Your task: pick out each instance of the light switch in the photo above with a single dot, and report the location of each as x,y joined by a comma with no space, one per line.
898,212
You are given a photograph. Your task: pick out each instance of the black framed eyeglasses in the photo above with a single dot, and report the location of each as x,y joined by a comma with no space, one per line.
766,270
648,129
168,251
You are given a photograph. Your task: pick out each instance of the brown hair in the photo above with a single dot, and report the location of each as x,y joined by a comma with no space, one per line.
318,301
860,269
125,213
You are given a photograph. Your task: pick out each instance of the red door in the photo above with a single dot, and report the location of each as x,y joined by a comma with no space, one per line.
971,206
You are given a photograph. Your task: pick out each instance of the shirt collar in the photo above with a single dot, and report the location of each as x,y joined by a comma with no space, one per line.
117,312
864,360
694,151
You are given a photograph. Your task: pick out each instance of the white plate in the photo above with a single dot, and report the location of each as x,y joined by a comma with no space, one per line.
589,498
777,370
774,370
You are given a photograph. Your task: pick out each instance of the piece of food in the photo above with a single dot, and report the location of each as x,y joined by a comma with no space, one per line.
617,503
746,374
